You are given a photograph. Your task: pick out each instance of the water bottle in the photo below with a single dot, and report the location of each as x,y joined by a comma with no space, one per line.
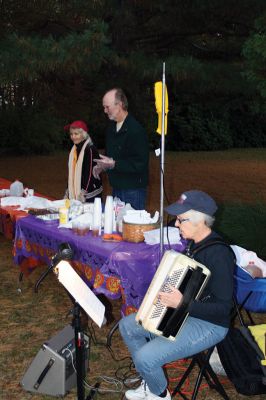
16,189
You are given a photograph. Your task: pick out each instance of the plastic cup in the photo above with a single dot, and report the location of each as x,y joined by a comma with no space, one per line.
96,231
83,229
75,227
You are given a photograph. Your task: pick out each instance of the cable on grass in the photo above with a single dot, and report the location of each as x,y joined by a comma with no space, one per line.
181,366
119,387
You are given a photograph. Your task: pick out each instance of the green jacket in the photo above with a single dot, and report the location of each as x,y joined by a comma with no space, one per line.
129,147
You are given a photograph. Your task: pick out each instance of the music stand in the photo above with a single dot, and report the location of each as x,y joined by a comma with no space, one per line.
82,297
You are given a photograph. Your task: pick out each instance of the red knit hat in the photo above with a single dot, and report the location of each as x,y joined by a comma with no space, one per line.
76,124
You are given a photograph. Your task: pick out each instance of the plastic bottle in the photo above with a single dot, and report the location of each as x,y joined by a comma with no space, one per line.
16,188
63,215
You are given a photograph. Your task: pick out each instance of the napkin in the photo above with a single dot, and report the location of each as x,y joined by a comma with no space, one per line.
12,201
26,202
153,236
140,217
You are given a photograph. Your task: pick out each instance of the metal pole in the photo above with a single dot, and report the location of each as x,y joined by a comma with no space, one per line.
162,165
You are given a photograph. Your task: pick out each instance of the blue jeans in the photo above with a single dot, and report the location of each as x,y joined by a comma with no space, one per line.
136,197
149,352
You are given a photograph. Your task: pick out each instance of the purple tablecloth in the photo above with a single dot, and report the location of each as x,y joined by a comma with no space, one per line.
114,269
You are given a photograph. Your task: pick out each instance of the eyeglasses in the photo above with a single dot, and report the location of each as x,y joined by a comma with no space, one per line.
180,220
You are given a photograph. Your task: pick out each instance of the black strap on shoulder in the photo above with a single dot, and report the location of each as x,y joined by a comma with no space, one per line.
211,242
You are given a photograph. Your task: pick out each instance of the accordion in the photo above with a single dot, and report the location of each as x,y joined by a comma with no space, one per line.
186,275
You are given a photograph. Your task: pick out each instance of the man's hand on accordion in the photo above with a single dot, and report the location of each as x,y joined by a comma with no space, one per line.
172,298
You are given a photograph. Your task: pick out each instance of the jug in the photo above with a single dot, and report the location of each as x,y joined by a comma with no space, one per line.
16,189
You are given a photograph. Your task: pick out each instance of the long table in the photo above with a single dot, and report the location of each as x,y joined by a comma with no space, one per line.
9,215
114,269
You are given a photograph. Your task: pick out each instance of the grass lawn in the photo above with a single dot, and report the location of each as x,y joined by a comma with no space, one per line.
235,178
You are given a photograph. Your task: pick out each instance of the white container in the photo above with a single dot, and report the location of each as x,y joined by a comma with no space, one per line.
108,215
16,189
97,215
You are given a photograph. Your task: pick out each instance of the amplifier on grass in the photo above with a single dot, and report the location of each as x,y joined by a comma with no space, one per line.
52,371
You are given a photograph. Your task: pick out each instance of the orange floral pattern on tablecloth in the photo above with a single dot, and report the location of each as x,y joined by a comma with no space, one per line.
130,310
35,248
41,251
28,246
88,272
113,284
19,244
99,279
79,267
50,253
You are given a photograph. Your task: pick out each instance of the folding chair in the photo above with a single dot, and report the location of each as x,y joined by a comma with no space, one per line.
201,360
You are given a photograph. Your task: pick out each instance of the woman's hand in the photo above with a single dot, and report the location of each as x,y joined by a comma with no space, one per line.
172,298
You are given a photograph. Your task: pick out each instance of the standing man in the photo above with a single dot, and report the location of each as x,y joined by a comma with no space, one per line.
127,152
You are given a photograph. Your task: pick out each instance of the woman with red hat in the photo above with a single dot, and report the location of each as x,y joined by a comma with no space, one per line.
82,185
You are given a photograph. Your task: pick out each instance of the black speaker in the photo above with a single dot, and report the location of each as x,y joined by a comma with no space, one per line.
52,371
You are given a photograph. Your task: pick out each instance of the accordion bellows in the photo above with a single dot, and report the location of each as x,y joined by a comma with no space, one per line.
185,274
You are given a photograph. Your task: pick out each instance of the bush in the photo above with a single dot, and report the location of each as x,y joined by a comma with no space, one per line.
30,131
249,130
199,129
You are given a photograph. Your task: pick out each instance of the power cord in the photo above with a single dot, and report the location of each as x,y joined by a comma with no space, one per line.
119,387
71,355
121,380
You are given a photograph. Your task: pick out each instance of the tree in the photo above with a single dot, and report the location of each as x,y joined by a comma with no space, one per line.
62,56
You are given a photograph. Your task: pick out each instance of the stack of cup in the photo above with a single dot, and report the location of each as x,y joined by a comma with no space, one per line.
97,217
108,215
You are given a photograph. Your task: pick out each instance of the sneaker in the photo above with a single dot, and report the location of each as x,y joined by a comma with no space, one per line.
143,393
151,396
139,393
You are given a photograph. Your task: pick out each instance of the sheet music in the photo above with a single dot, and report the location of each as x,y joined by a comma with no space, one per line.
78,289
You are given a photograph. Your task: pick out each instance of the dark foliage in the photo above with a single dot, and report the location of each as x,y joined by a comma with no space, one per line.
60,57
30,131
244,225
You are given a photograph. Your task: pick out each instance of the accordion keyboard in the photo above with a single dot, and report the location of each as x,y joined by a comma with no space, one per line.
171,280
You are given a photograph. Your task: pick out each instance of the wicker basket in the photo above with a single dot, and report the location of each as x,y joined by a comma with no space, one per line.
135,232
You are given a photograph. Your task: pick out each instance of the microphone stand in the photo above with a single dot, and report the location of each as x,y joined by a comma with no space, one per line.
43,276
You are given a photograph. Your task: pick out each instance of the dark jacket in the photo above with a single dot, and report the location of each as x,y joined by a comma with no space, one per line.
129,148
215,303
90,186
